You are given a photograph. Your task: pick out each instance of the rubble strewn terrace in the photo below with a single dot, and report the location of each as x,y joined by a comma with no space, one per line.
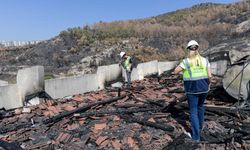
153,114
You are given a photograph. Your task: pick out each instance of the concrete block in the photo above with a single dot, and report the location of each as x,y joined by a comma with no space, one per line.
117,85
59,88
148,68
219,67
34,101
30,80
166,66
108,73
3,83
134,74
9,97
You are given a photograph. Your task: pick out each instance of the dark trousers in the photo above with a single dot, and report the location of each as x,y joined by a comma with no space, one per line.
128,73
196,108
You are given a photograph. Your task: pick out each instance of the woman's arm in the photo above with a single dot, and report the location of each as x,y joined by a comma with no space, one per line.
177,70
209,74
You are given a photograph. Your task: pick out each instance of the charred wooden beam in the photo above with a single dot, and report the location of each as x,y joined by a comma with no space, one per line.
123,111
178,90
182,143
173,103
131,105
154,103
9,146
14,127
238,128
149,101
218,139
164,127
82,109
221,110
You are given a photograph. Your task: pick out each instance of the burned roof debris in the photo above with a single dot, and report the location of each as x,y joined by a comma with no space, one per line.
153,114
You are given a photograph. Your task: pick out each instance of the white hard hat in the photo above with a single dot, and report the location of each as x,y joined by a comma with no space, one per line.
122,54
191,43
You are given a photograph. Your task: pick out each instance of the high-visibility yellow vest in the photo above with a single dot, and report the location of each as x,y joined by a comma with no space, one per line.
195,77
195,72
128,64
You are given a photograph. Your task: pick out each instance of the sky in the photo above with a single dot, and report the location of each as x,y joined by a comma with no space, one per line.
28,20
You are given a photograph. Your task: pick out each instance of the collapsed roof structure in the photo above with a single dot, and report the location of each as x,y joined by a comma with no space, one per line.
151,115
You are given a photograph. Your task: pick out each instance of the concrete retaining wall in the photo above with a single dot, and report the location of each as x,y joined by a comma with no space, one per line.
148,68
3,83
30,80
59,88
166,66
108,73
9,97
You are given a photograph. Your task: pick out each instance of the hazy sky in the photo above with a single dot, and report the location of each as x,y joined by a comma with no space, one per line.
43,19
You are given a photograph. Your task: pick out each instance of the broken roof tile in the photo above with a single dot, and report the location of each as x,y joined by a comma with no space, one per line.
68,107
100,126
101,139
78,98
116,144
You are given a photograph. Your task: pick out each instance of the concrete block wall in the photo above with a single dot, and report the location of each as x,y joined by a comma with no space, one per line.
108,73
9,97
62,87
166,66
3,83
147,68
134,74
30,80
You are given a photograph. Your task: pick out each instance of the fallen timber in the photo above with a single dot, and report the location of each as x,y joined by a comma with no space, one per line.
82,109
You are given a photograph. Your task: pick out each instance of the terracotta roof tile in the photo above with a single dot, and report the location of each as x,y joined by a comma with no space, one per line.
104,143
151,120
100,126
101,139
72,126
68,107
116,144
78,98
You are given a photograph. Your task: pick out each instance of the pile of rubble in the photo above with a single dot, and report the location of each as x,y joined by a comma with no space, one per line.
153,114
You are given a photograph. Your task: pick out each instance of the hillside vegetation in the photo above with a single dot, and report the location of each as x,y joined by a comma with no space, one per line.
207,23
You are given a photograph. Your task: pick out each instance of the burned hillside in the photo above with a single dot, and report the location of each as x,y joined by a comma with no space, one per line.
80,50
151,115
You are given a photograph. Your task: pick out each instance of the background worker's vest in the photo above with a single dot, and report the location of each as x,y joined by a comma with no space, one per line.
128,64
195,77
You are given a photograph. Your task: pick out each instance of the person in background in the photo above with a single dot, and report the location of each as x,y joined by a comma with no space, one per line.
196,76
126,62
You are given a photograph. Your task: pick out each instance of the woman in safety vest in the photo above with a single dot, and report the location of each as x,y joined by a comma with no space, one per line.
126,63
196,76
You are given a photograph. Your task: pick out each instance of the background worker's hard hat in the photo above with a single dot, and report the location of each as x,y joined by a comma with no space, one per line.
192,43
122,54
